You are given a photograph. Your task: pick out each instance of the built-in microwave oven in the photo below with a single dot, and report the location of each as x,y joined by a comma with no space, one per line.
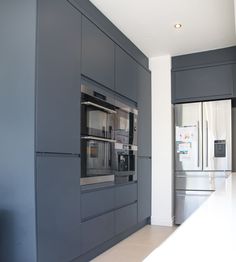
97,134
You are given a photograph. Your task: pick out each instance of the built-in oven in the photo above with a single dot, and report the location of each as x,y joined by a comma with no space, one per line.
97,134
97,113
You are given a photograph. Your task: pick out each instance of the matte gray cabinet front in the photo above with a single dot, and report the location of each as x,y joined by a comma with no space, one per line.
97,54
234,78
97,202
58,77
96,231
127,74
144,188
58,208
125,218
145,116
125,194
205,83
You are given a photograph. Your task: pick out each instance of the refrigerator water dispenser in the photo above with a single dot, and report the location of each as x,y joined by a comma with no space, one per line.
220,148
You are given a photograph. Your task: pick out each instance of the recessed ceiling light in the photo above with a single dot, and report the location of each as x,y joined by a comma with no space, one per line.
177,26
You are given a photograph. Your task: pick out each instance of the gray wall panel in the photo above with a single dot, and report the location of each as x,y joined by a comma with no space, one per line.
17,90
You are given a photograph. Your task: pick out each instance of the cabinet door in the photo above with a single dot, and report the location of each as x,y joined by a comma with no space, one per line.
234,78
58,73
96,231
213,82
144,114
97,202
125,218
58,208
127,74
144,188
125,194
97,54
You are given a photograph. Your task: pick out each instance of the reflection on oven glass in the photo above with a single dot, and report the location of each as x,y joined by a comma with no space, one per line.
93,150
124,124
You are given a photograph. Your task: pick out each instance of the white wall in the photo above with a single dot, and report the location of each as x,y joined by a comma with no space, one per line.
162,178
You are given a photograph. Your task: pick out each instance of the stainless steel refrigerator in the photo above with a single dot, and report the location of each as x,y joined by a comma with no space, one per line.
203,152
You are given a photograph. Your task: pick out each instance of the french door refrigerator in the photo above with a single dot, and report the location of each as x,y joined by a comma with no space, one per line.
203,145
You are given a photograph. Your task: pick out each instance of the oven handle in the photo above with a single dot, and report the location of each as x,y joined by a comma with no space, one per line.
88,103
98,138
120,146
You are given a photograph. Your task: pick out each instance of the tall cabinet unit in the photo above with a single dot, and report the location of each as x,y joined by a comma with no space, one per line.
144,144
58,131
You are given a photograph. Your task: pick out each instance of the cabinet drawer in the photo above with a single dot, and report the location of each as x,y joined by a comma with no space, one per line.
125,218
96,231
125,195
97,202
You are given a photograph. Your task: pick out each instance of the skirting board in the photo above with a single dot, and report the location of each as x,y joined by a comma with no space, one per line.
169,222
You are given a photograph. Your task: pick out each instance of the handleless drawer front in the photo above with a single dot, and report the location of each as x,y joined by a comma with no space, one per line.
125,195
96,231
97,202
125,218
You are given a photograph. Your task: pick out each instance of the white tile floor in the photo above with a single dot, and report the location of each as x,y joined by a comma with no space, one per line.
136,247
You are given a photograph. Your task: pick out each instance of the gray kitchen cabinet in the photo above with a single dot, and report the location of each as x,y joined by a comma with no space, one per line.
96,231
58,208
98,58
144,114
202,83
144,188
97,202
125,194
125,218
58,77
234,79
127,74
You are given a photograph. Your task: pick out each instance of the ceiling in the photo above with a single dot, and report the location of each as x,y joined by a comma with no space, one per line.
149,24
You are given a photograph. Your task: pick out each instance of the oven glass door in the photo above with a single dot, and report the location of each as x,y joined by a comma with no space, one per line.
97,122
96,158
122,127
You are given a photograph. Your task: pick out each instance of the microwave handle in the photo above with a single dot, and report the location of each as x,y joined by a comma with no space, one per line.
88,103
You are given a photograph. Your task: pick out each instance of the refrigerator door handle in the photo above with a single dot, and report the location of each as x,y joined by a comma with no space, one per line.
194,193
207,151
